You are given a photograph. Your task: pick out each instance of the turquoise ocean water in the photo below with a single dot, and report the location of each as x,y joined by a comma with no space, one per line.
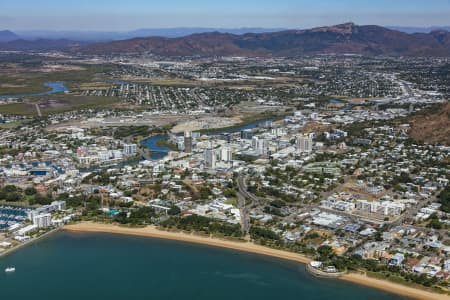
77,266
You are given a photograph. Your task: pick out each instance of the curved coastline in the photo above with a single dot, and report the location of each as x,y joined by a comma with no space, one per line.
154,232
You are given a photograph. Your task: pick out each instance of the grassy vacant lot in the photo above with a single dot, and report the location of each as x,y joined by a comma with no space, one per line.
57,103
236,84
22,85
32,81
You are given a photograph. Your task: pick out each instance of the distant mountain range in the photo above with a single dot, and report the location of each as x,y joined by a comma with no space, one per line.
97,36
102,36
343,38
40,45
339,39
7,36
419,29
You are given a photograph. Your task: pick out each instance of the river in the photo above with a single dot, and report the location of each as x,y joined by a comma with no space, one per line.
55,87
158,152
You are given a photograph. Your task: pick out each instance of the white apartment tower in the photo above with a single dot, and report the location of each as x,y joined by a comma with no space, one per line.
225,154
260,145
304,144
42,221
188,142
129,149
210,158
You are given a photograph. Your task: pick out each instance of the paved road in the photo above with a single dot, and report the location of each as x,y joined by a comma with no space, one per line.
38,109
245,219
144,153
409,214
408,89
243,189
243,194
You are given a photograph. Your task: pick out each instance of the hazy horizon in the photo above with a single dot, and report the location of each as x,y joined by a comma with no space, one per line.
218,28
114,15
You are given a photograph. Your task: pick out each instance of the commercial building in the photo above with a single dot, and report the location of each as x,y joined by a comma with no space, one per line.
397,259
210,158
304,144
188,141
246,134
260,146
225,154
46,209
129,149
386,208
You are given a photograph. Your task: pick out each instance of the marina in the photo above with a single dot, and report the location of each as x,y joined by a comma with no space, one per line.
12,217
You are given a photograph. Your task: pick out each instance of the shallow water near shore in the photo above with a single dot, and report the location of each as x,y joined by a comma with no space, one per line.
70,265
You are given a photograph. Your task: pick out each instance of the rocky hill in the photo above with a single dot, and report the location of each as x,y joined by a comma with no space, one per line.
432,126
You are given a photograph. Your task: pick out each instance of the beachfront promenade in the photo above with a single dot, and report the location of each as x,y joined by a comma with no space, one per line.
29,242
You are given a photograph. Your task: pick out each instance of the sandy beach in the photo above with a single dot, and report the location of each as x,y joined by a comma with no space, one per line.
393,287
153,232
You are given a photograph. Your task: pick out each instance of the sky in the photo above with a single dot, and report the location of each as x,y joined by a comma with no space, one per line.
123,15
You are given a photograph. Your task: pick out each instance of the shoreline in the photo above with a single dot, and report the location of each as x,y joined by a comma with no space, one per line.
154,232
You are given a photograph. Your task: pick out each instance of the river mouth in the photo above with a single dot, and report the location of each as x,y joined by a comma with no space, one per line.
157,151
55,87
